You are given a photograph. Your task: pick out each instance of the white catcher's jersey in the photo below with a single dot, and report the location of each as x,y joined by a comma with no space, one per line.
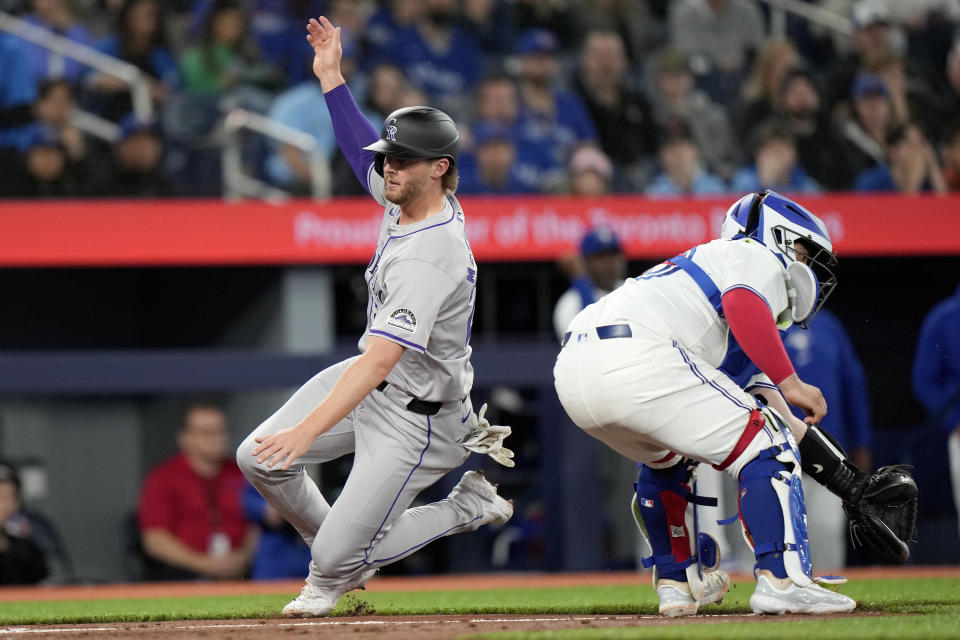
669,302
421,286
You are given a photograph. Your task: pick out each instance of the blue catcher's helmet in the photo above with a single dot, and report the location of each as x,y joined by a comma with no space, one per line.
782,225
738,215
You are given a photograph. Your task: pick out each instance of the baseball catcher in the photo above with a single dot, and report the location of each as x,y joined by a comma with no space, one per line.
882,507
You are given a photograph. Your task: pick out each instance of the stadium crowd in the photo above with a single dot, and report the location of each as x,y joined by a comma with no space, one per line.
587,97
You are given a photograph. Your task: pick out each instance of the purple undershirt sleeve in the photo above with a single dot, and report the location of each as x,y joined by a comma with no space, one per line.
353,131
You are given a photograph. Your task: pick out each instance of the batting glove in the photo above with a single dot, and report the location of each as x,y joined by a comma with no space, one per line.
488,439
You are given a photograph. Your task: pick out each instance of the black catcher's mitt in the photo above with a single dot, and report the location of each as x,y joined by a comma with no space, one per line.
885,517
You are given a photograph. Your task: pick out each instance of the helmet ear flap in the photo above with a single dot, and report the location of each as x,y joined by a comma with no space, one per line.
378,159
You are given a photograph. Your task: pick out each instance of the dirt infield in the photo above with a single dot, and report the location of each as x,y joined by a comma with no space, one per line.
373,626
392,627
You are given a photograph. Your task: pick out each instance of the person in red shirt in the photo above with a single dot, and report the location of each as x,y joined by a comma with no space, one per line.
191,518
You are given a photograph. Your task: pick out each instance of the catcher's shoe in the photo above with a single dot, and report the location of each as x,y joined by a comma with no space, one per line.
474,487
814,599
676,599
315,601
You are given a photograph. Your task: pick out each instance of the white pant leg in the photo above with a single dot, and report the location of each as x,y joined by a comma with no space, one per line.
292,492
826,526
398,454
644,395
953,450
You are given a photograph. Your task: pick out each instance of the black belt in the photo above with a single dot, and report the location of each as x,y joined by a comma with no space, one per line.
416,405
605,332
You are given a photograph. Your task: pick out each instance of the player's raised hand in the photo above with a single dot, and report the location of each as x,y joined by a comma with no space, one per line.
325,40
805,396
283,447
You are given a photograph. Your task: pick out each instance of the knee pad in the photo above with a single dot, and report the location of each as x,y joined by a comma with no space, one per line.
773,512
664,508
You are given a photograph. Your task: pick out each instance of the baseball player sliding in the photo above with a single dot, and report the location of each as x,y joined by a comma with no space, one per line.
402,406
641,371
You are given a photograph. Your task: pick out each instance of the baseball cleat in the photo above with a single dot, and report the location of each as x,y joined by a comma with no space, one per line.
676,600
812,599
473,484
315,601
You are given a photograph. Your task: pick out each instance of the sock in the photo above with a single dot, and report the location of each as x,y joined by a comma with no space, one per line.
772,562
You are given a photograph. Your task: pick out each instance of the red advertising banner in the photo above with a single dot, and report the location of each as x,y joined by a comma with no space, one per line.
214,232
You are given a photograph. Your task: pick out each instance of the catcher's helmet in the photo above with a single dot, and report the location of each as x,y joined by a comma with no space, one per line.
781,224
416,132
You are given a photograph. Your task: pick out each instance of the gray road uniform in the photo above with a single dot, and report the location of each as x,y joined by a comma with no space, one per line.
406,434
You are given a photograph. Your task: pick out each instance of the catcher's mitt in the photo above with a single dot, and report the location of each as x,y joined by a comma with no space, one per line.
885,517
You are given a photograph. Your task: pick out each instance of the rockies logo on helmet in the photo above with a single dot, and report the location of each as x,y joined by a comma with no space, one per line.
392,130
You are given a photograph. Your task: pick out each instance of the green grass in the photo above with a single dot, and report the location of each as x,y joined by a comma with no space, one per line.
937,599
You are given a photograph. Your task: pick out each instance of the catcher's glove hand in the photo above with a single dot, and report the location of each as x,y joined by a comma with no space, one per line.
488,439
885,517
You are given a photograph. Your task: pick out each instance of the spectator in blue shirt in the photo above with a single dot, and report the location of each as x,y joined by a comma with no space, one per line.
681,170
56,16
437,56
775,164
824,355
17,87
490,168
490,24
911,166
383,27
936,376
17,91
281,552
552,120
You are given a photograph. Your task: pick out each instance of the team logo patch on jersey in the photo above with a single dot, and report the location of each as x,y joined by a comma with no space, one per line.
646,502
403,319
677,532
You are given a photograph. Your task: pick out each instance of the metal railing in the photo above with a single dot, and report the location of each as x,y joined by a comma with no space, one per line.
810,12
62,47
238,184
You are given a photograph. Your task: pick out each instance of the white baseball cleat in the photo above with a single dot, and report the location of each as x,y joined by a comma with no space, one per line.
814,599
676,599
474,484
316,602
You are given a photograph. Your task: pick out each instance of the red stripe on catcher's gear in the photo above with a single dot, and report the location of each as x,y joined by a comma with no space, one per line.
754,424
675,507
664,458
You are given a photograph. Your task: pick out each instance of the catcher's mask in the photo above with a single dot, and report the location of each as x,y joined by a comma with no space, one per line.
416,132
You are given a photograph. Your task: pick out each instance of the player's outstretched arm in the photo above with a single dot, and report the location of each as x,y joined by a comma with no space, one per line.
354,384
351,128
327,52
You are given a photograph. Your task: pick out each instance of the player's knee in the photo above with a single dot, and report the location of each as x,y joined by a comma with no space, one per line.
335,558
245,459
